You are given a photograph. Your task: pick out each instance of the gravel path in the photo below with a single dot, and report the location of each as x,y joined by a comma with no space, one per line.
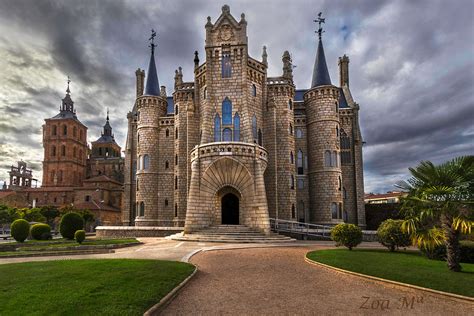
277,281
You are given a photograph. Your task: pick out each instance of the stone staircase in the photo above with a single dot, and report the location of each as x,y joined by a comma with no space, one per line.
231,234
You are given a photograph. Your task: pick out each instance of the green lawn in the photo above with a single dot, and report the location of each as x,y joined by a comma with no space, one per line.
406,267
62,242
87,287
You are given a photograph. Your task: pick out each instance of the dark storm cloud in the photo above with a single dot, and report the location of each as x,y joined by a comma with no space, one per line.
411,66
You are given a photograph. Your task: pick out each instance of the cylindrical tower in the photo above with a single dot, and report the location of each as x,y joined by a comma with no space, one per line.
149,109
323,151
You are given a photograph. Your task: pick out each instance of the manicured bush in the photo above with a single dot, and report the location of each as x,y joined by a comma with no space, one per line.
70,223
348,235
20,229
390,234
80,236
40,231
466,249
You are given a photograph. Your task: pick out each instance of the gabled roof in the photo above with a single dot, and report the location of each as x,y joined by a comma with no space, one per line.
320,70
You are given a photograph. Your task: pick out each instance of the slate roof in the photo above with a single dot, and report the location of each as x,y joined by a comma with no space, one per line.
320,70
152,85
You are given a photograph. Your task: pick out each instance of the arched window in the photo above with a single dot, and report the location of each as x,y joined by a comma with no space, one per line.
146,162
175,160
217,128
166,202
254,128
63,150
292,182
74,152
301,212
176,182
142,209
226,112
64,130
327,158
290,104
167,164
260,139
138,138
340,183
299,132
74,131
205,93
54,131
53,150
336,108
176,210
293,211
299,161
136,184
176,133
334,210
139,160
292,160
346,157
176,110
227,135
167,132
236,127
337,131
254,90
300,184
226,65
339,211
334,159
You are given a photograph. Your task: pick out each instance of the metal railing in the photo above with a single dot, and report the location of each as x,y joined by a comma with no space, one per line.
305,229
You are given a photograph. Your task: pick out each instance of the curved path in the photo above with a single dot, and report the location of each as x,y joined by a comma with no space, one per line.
278,281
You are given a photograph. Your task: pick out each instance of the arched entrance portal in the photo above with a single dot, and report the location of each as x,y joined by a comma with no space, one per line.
230,209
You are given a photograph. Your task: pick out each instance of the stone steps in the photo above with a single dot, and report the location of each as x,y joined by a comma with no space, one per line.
232,234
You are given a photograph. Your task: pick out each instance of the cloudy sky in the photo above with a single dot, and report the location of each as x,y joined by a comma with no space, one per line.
411,67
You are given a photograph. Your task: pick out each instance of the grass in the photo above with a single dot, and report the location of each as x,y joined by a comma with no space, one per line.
87,287
405,267
63,241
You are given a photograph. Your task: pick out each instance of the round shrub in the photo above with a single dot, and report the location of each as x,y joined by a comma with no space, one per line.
70,223
80,236
40,231
390,234
20,229
348,235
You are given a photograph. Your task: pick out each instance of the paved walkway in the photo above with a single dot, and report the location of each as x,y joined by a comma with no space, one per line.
279,282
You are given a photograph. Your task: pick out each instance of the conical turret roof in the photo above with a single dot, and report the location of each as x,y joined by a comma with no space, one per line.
152,85
320,70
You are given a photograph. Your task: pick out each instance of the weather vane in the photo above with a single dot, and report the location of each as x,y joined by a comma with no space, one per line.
320,20
152,39
68,82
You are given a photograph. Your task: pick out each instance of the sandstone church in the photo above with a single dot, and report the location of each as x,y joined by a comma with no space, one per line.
235,146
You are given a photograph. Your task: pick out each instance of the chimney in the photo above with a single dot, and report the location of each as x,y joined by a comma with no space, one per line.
344,71
140,74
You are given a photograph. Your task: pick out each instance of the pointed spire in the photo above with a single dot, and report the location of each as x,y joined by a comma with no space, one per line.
67,103
152,85
107,128
320,70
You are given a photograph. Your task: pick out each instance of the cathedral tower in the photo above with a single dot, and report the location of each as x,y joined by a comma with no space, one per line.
65,147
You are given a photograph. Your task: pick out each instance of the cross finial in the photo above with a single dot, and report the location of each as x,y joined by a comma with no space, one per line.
152,39
320,20
68,81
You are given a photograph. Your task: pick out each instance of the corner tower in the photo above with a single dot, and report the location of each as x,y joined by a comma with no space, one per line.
149,108
324,174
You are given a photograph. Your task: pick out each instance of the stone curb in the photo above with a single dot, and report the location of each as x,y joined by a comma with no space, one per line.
58,254
400,284
158,307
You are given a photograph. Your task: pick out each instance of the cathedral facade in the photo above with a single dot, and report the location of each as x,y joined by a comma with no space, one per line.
238,147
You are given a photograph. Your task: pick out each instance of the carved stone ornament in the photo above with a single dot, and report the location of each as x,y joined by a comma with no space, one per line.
226,32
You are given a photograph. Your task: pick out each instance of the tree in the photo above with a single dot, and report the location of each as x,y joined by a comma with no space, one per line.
50,213
439,205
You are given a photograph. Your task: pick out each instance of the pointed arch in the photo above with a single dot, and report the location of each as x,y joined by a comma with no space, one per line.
226,112
236,127
254,128
217,128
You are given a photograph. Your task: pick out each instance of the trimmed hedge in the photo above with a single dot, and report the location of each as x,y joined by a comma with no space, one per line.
20,229
390,234
40,231
70,223
466,248
348,235
80,236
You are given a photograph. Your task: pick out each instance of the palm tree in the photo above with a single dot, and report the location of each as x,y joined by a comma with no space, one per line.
439,205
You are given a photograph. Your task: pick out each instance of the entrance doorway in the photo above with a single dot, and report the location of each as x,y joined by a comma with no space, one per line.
230,209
